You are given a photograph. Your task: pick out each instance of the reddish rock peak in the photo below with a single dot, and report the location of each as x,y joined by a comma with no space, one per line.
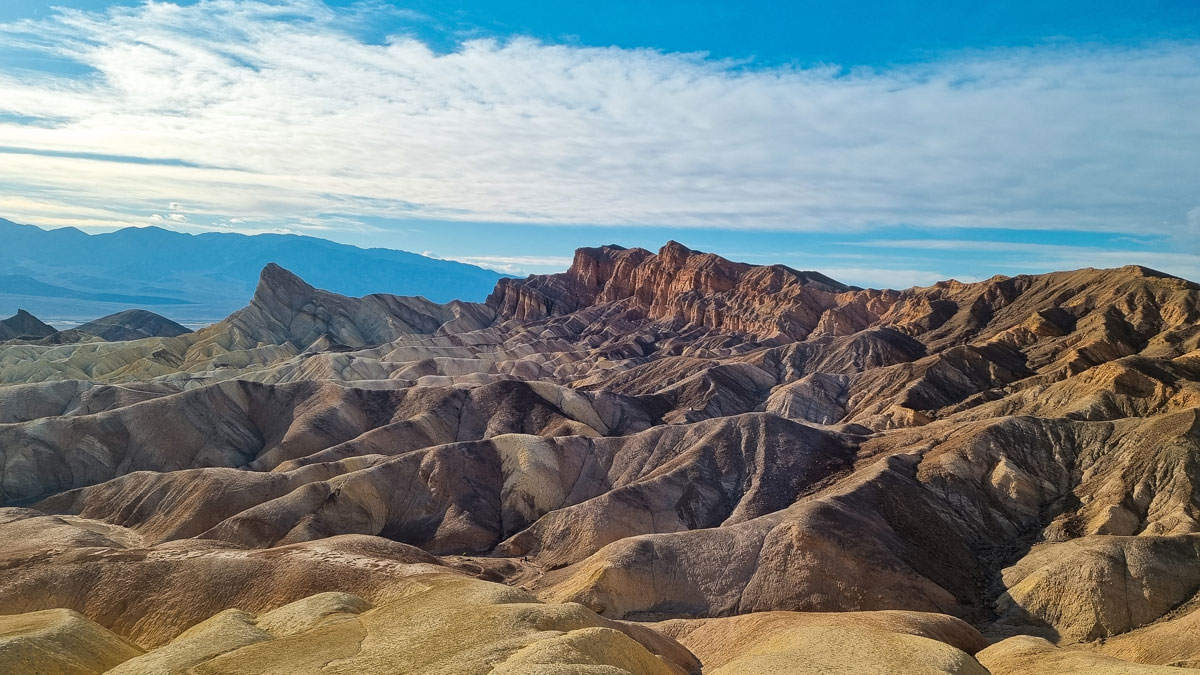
593,267
779,303
676,283
675,254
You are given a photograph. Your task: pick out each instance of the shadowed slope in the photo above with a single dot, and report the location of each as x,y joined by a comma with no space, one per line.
24,325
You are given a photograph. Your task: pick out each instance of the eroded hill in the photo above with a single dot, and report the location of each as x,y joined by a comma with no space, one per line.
730,467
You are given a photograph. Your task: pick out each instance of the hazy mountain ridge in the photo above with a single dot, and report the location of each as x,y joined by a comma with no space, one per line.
23,328
132,324
24,325
65,273
760,465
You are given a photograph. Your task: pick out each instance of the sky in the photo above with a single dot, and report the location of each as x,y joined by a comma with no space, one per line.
882,143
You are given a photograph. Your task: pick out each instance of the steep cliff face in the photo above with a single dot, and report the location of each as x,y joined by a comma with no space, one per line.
1077,319
769,302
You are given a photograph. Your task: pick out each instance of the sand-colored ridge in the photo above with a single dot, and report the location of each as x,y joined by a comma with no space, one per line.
59,642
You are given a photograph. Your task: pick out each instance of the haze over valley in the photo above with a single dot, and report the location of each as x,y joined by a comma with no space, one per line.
68,277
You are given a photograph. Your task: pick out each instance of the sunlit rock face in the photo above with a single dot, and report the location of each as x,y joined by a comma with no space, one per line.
650,463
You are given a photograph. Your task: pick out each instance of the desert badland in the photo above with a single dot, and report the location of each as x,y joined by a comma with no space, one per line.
655,462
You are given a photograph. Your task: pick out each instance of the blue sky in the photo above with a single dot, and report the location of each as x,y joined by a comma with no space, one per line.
871,33
884,143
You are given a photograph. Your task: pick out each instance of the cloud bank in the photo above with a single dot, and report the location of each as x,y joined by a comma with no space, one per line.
276,112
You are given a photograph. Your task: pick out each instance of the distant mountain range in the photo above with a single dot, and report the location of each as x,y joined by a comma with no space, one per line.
132,324
67,276
129,324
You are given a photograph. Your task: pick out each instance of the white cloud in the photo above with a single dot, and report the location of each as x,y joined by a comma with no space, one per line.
266,117
56,213
159,219
1037,258
501,268
875,277
517,264
1193,227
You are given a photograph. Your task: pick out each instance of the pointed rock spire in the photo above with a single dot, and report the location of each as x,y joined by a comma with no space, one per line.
278,287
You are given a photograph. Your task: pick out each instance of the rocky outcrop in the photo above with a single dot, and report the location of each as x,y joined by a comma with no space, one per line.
287,311
775,302
677,283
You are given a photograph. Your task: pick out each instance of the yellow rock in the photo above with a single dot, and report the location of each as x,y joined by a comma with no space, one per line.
1028,655
442,626
59,642
800,643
